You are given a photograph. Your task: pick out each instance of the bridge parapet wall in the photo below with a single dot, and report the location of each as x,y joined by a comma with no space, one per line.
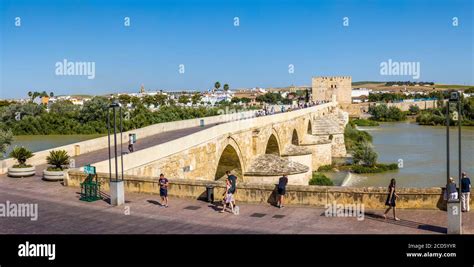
317,196
101,142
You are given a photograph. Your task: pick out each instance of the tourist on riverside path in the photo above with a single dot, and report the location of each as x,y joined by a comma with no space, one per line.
391,200
228,197
163,190
233,188
465,192
451,189
130,143
282,182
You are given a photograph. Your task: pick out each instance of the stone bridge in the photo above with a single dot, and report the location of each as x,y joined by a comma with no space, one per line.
258,149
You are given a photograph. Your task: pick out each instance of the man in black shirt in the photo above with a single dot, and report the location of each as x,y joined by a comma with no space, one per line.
282,182
465,192
163,190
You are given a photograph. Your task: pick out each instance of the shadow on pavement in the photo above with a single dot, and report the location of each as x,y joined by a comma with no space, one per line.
406,223
154,202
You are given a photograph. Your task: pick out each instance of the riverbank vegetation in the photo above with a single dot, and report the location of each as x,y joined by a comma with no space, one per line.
384,113
65,118
6,139
364,157
320,179
437,116
365,122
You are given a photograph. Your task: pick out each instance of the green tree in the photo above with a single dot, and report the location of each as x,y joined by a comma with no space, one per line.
135,101
35,95
183,99
196,98
160,99
414,109
226,87
65,108
217,85
364,154
148,100
6,139
124,99
95,110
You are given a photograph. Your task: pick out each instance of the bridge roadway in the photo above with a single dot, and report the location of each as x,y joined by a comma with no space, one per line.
146,142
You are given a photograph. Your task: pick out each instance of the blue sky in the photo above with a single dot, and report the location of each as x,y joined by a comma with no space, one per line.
202,36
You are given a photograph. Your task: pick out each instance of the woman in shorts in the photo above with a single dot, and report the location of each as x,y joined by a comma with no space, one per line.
228,198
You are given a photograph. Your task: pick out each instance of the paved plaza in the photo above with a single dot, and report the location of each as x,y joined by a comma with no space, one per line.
61,212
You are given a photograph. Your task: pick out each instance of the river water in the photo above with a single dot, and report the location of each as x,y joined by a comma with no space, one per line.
422,151
41,142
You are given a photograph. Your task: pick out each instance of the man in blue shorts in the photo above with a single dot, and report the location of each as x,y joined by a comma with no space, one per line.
163,190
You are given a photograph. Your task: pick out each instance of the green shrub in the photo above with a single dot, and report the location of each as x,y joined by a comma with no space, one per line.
384,113
325,168
58,159
6,139
414,109
363,153
21,154
320,179
353,137
379,167
364,122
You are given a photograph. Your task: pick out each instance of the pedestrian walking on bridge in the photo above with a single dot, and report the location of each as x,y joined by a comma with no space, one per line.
391,200
163,190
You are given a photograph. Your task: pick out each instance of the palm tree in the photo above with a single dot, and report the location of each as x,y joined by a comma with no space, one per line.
51,94
217,85
35,94
30,94
58,159
226,87
21,154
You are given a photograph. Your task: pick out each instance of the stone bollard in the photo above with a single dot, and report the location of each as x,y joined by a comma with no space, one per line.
454,217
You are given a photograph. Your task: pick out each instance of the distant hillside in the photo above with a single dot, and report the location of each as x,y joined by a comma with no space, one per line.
366,82
374,85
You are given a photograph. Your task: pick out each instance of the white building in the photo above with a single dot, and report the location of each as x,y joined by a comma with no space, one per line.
217,96
360,94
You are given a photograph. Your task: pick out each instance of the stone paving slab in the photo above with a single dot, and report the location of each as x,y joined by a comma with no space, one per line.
61,212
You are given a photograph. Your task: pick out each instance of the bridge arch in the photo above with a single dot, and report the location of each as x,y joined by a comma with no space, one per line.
273,144
310,127
230,159
295,140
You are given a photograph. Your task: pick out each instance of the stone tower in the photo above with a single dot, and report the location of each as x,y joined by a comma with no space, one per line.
323,88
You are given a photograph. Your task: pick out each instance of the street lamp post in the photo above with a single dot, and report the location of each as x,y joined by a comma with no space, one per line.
453,205
117,194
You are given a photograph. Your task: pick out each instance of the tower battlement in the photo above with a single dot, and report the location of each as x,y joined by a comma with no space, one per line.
324,87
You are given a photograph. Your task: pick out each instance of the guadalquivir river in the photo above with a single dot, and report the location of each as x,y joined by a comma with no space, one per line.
422,150
41,142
